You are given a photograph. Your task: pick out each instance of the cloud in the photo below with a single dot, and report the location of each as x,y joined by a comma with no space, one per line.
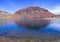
55,10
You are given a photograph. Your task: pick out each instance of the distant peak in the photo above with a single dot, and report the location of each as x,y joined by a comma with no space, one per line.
3,12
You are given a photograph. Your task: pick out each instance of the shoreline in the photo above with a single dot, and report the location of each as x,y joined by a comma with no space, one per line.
4,39
51,18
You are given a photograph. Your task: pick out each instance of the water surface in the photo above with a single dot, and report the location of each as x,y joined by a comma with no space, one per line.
30,29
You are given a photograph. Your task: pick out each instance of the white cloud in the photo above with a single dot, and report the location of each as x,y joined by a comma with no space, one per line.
55,10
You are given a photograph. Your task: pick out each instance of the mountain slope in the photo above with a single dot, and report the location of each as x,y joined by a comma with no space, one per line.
35,12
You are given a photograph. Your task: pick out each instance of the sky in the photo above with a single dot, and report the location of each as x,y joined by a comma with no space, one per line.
14,5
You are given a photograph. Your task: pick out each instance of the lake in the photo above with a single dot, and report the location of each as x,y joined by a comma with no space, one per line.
30,29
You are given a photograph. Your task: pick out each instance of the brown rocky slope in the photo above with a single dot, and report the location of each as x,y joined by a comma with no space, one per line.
33,12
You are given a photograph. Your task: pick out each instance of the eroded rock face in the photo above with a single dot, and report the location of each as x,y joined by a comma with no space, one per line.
35,12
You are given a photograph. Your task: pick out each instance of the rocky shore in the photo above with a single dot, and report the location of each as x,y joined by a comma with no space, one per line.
4,39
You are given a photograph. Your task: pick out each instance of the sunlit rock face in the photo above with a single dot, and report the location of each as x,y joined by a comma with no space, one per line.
34,12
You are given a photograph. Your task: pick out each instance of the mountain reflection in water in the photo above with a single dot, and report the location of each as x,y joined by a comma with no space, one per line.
33,24
41,29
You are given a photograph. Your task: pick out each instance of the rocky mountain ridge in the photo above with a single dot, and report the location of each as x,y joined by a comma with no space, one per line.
30,12
35,12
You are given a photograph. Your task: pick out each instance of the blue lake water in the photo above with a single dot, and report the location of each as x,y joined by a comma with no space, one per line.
48,29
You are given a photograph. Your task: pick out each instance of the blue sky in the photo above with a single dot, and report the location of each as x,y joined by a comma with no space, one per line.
14,5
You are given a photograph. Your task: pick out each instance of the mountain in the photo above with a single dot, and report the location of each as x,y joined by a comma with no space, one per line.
30,17
33,12
4,14
29,12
